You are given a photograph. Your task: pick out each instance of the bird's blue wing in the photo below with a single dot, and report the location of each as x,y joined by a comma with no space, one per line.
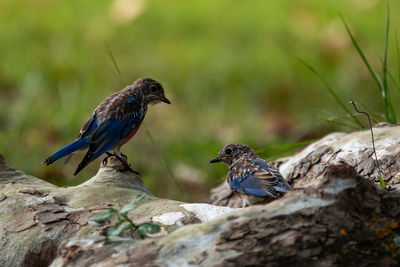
281,184
248,186
104,138
107,133
256,178
115,126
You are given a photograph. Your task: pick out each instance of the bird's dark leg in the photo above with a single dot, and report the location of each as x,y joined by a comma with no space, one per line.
128,167
244,201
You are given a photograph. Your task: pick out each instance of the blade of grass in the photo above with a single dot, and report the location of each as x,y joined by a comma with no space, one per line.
393,81
361,54
389,112
275,152
181,192
284,147
121,79
384,67
332,92
398,56
314,108
344,118
330,114
373,115
336,122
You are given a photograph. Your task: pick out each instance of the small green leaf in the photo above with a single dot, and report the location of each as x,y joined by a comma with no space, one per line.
114,227
120,229
148,228
131,206
138,198
102,215
382,182
126,208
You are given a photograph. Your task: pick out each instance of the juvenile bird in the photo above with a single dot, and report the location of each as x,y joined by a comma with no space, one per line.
113,123
249,176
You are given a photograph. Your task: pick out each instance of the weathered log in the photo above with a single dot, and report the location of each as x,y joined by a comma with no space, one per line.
335,214
36,217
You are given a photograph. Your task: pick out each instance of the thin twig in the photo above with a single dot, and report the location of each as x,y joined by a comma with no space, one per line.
372,135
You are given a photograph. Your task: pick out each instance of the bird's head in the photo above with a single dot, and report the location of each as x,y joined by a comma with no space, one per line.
231,152
151,90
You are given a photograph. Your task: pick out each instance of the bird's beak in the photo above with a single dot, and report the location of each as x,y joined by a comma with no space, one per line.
165,100
215,160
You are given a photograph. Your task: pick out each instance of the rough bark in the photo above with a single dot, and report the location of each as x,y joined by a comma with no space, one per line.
36,217
336,214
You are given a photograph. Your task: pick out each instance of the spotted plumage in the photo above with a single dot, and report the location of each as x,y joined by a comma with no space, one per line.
249,176
114,122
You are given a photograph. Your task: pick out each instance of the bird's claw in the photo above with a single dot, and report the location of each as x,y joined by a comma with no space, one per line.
127,166
106,158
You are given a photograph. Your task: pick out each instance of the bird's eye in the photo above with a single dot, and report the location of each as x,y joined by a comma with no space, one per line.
228,151
153,88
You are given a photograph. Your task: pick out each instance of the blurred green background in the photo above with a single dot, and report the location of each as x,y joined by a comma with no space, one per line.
230,68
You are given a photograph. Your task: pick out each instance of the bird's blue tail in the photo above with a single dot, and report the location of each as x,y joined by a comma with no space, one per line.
68,149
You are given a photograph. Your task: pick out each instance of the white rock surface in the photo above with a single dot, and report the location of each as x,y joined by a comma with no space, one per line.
169,218
205,212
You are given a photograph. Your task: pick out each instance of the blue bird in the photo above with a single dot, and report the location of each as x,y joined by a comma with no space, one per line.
113,123
250,177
